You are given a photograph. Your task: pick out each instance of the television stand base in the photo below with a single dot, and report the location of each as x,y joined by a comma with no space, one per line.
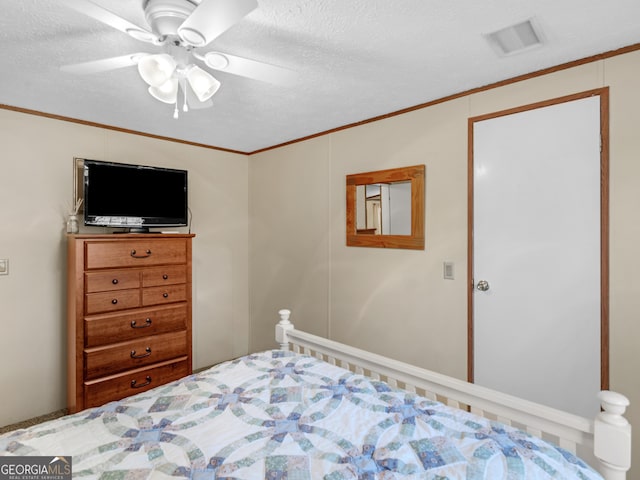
134,230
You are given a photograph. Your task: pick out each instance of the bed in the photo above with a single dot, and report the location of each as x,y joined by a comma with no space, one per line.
315,408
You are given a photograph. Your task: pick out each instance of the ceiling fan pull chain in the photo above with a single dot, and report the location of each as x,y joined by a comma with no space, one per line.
175,111
185,106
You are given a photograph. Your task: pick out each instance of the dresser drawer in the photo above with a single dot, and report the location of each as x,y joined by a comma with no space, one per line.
116,387
119,327
111,301
135,253
101,361
161,295
112,280
166,275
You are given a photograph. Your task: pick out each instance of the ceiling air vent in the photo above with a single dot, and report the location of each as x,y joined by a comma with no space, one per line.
516,38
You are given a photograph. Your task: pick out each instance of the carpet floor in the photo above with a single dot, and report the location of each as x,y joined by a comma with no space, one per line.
33,421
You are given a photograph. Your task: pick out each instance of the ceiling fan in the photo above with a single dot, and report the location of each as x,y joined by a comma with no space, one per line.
181,28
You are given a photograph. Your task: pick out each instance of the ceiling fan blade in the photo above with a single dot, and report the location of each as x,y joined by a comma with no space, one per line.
213,17
245,67
90,9
104,64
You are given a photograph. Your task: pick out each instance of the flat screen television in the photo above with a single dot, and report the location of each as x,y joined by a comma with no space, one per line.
134,197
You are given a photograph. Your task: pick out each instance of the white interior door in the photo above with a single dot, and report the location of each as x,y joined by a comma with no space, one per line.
536,244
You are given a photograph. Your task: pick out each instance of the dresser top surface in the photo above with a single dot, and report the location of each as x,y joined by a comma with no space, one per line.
119,236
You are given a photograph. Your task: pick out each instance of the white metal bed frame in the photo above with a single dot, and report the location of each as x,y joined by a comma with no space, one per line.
604,442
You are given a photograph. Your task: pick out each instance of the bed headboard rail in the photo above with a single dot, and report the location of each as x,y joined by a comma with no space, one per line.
611,448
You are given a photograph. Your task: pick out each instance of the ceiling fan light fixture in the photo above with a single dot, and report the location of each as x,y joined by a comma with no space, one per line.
167,92
156,69
203,84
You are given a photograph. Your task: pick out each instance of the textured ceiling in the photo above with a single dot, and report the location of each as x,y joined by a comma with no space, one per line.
355,59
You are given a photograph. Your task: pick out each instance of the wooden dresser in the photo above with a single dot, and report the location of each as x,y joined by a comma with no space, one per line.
129,315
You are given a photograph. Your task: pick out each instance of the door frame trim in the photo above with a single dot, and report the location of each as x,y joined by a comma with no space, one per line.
603,93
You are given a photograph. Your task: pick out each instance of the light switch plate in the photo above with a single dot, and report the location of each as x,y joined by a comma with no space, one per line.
4,266
447,271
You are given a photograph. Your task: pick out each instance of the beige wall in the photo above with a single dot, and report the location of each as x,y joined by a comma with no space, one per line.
395,302
36,166
289,258
271,234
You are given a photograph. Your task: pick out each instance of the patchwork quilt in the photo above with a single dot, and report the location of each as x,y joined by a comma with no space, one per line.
280,415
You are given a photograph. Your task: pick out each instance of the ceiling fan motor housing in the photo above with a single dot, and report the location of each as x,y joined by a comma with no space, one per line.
165,16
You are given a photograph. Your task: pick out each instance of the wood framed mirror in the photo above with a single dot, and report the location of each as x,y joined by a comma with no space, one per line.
385,209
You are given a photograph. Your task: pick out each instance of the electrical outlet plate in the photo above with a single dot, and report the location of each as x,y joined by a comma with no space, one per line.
4,266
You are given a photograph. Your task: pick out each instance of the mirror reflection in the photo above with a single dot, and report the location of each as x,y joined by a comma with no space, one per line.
386,208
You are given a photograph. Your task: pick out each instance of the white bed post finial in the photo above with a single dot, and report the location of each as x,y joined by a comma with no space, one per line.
283,326
612,436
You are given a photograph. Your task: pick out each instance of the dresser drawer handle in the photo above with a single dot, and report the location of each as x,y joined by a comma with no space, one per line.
147,323
114,301
114,281
165,295
146,354
147,253
134,383
165,276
